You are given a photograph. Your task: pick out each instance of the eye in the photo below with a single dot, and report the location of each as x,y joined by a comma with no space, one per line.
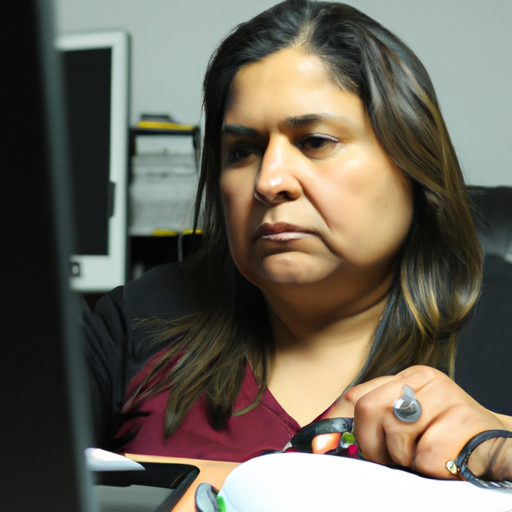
318,142
240,152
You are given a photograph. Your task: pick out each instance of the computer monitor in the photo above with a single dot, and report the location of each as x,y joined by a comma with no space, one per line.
44,419
96,73
45,404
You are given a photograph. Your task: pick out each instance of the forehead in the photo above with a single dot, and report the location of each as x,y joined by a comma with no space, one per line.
289,84
287,73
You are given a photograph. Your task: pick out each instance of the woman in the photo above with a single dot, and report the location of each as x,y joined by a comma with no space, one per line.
339,263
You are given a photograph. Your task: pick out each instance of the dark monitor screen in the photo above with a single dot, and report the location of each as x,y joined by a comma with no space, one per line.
88,98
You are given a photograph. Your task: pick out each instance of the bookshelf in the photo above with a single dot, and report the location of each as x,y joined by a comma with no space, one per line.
161,192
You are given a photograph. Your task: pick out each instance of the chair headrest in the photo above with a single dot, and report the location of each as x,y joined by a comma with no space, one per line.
491,208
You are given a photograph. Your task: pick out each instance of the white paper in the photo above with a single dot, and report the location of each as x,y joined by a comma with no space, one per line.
301,482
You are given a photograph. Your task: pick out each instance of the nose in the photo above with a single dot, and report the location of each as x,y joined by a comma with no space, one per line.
277,179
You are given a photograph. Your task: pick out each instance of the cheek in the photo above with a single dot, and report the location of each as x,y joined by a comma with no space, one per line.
369,213
393,213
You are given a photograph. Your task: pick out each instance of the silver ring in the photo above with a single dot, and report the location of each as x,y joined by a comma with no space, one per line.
407,408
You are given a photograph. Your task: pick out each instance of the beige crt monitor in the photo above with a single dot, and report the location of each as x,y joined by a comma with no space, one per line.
96,76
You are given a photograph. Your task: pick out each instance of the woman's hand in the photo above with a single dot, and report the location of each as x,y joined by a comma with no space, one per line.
449,419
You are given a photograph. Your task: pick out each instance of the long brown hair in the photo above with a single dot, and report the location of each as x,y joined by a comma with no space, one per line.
438,278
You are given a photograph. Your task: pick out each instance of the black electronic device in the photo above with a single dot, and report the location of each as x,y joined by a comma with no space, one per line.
44,420
45,405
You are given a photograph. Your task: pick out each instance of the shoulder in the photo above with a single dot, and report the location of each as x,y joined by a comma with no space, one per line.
161,292
158,294
116,327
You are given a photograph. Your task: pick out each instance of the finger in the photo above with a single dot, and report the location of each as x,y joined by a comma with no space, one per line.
382,437
436,446
344,406
341,409
401,442
420,376
370,435
357,392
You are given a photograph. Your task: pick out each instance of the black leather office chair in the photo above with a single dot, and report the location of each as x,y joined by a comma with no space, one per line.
484,357
492,214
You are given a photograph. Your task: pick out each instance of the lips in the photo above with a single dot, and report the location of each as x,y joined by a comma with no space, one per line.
281,232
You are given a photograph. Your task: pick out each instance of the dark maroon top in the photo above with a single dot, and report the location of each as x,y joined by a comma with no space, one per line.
265,427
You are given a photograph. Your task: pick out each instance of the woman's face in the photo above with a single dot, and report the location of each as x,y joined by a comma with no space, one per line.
309,195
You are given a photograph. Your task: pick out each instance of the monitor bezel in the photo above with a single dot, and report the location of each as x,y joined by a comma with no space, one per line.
100,273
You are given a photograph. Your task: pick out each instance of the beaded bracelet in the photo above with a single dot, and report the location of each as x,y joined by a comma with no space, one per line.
459,465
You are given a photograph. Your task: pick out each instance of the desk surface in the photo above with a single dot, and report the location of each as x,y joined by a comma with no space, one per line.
210,471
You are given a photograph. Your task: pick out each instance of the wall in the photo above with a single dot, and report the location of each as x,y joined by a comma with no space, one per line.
465,44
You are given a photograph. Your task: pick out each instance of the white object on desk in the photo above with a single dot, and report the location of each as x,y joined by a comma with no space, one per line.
302,482
101,460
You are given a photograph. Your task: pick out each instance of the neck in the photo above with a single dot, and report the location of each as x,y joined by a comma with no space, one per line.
319,352
305,317
307,330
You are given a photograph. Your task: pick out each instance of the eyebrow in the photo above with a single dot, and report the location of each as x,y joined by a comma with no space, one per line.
292,122
297,121
237,129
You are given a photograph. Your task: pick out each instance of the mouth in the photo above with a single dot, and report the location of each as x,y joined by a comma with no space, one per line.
281,232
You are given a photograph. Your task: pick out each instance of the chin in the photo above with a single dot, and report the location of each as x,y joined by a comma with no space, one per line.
291,268
292,272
